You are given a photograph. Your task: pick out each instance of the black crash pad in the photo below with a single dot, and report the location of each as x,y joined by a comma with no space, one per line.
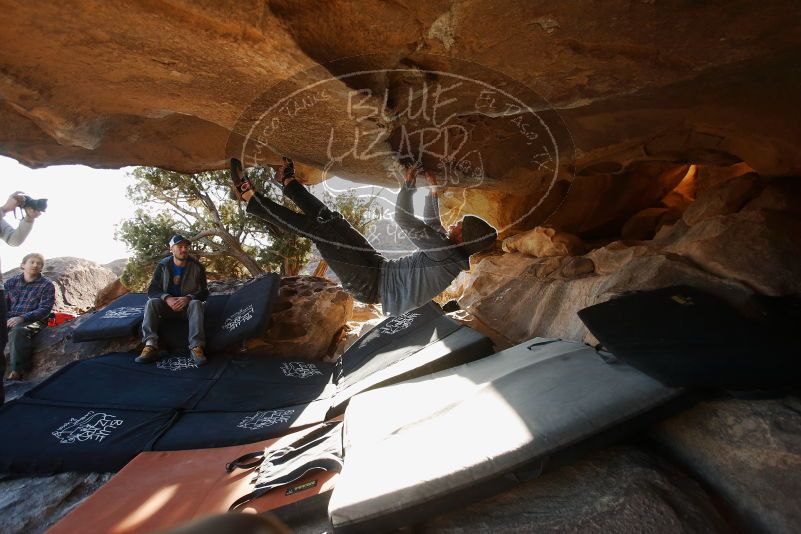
416,343
198,429
114,380
423,447
256,383
229,318
121,318
235,399
40,437
683,336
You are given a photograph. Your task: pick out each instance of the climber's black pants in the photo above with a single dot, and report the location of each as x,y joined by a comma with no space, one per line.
348,253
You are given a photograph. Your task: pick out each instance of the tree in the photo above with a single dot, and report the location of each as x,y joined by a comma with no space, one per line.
228,241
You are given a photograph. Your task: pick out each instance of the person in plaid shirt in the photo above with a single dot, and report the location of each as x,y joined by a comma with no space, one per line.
29,301
14,237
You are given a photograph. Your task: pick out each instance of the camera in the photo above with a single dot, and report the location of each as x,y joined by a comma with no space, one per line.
36,204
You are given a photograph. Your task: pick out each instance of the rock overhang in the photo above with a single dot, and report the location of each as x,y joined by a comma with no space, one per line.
177,85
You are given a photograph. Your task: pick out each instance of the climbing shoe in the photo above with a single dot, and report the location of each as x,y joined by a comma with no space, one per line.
197,356
243,187
149,354
288,170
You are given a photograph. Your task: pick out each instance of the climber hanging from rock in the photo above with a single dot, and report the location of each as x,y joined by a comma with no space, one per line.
400,284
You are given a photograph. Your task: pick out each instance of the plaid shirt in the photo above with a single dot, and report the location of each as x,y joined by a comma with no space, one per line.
31,301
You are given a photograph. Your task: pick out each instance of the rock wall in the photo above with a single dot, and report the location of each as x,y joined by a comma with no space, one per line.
737,239
632,97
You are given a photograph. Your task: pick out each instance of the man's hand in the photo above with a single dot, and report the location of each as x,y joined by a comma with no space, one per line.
432,183
411,175
31,213
177,303
14,321
14,201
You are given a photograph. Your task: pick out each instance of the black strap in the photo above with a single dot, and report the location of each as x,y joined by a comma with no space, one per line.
330,463
541,343
255,458
246,461
325,456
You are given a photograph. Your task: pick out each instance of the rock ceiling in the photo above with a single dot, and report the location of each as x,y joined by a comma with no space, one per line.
518,97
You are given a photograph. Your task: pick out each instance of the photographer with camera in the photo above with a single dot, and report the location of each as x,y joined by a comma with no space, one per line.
14,237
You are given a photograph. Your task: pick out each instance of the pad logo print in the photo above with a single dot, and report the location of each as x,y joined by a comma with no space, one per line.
393,326
300,369
239,318
401,322
177,363
92,426
123,312
264,419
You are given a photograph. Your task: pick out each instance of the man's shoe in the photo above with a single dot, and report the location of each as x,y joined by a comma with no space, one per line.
288,171
197,356
148,355
243,187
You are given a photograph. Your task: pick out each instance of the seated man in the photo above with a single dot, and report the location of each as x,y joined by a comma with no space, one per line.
29,299
401,284
178,289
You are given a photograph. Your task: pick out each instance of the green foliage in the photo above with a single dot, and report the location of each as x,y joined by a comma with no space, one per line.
228,241
198,206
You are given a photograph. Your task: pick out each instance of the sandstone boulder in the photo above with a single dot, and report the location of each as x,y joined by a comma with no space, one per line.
110,293
307,321
621,489
523,297
726,199
34,504
758,248
647,223
542,241
645,85
782,194
747,451
117,266
736,239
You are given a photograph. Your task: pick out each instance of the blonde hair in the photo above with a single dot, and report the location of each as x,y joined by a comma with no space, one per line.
32,255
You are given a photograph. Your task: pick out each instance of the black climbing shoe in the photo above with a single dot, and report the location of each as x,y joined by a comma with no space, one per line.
287,171
242,183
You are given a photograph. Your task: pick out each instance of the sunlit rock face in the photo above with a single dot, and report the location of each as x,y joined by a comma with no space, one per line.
307,320
739,237
608,109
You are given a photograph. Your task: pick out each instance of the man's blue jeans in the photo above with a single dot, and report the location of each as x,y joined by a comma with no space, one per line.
155,309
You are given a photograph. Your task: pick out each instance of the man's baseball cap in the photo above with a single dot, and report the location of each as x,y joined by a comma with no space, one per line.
178,238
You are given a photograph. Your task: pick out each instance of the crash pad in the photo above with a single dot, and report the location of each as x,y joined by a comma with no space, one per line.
429,445
160,490
684,336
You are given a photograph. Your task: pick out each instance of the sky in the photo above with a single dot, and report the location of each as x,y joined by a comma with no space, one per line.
83,206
